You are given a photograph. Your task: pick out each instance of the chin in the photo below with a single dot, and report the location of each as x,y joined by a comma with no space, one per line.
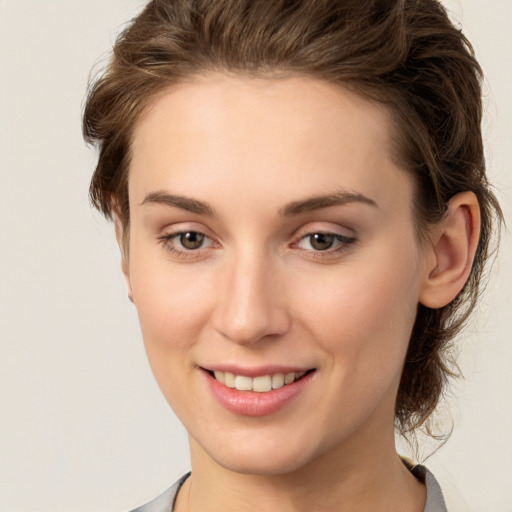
262,464
274,455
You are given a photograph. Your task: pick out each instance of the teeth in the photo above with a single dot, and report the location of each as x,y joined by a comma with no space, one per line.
289,378
277,380
260,384
229,379
219,376
243,383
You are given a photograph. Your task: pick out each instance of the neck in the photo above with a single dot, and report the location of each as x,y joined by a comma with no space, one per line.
356,479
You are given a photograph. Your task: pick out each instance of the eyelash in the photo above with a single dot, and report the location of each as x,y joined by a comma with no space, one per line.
167,242
344,244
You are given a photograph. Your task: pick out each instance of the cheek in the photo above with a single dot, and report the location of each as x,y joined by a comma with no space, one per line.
171,305
171,313
363,314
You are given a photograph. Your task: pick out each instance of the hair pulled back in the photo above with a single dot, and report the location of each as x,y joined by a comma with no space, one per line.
405,54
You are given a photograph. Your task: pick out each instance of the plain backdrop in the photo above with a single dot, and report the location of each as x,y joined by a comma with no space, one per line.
82,424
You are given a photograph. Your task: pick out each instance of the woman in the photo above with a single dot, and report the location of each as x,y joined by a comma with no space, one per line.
299,194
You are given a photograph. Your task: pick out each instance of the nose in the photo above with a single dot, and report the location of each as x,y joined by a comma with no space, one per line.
250,304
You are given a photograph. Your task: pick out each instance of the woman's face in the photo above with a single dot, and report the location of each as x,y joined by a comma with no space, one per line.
272,234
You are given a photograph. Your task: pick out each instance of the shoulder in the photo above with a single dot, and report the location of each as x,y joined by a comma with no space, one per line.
165,501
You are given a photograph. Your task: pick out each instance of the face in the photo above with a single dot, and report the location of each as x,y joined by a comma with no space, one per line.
272,248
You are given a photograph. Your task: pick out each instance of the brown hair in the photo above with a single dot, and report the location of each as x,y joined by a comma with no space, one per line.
405,54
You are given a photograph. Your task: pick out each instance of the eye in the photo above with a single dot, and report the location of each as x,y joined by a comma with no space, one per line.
324,241
183,243
321,241
191,239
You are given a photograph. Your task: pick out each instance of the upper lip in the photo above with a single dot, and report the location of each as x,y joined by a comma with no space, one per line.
256,371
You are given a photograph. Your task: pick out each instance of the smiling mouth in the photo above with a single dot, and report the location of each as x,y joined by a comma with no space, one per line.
259,384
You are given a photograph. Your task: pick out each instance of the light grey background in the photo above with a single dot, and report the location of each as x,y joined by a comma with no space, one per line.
82,424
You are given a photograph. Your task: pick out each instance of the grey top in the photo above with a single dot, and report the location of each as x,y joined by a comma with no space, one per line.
434,502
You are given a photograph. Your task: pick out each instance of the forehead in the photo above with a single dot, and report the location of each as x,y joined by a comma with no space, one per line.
281,137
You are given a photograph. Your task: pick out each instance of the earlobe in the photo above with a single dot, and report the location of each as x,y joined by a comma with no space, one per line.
125,267
126,273
454,243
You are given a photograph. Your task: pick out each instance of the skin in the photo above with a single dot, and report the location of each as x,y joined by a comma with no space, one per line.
258,292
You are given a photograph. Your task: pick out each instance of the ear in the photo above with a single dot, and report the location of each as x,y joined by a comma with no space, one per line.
125,267
453,245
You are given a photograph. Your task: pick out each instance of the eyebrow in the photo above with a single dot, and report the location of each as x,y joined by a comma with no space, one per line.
185,203
291,209
339,198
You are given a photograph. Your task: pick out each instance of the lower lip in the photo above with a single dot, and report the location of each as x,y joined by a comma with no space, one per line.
252,403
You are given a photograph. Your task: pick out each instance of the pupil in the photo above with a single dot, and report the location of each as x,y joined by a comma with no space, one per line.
191,240
322,241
